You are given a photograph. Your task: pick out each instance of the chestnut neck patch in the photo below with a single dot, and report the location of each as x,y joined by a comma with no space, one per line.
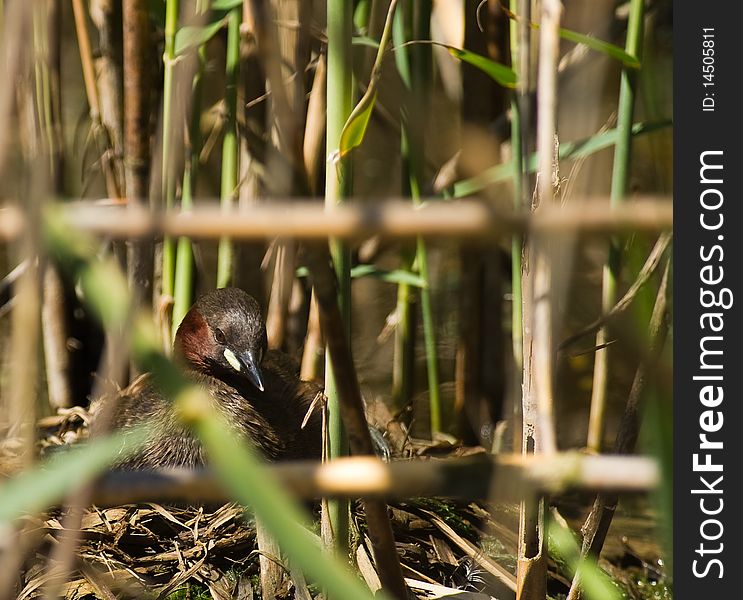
193,340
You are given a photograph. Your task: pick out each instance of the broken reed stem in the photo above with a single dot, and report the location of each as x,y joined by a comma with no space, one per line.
596,525
619,188
351,408
647,270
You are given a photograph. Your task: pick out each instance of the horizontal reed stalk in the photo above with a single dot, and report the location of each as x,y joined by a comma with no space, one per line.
467,219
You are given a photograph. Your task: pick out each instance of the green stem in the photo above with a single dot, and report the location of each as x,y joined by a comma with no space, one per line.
429,337
420,87
229,144
403,360
168,182
337,187
404,353
619,185
184,257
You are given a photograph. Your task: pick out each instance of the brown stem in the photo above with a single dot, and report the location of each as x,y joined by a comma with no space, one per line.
596,525
470,220
56,332
324,282
106,14
651,264
113,186
137,90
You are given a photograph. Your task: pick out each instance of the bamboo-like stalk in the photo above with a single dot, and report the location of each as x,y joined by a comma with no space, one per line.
542,368
339,100
229,143
417,76
183,284
313,353
538,435
285,162
168,176
530,511
404,351
420,80
137,89
403,362
619,187
518,152
248,274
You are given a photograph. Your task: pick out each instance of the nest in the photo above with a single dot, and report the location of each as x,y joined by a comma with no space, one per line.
157,551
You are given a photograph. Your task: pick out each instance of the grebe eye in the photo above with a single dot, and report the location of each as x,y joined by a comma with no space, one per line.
219,336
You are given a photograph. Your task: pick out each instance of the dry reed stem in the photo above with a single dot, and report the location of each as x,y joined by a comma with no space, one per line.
647,270
113,186
314,345
13,63
106,15
504,477
55,332
352,411
543,301
467,219
314,132
538,429
596,525
137,88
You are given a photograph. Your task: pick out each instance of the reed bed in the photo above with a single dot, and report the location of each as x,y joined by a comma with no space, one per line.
332,159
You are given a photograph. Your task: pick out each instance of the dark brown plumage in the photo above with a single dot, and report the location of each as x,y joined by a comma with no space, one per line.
221,344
